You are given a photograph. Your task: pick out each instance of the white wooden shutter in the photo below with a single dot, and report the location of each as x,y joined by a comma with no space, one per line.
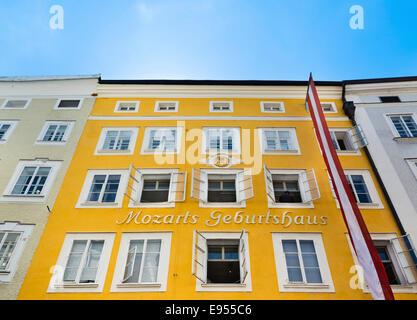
269,184
177,186
130,263
407,257
358,137
331,187
199,185
199,257
310,187
242,257
135,183
244,185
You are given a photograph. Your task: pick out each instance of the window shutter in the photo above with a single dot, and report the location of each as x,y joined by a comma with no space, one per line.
269,184
177,187
199,185
406,256
134,183
309,182
332,188
199,262
358,137
130,263
242,257
244,185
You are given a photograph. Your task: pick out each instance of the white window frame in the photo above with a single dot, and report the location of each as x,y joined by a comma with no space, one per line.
282,275
157,105
386,237
298,172
293,137
137,188
28,101
82,200
69,98
236,142
69,124
394,129
334,109
9,197
355,151
99,151
164,257
57,284
281,105
227,287
25,231
212,103
202,204
118,103
373,193
146,151
13,124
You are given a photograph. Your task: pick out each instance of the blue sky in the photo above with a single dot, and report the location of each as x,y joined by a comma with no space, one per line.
209,39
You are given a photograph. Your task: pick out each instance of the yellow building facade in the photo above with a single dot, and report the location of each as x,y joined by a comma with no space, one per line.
209,191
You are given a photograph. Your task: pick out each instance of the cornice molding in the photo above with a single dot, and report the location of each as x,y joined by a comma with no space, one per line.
213,91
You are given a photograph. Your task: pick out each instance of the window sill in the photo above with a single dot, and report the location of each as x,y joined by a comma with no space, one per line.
222,204
306,286
99,204
159,151
23,196
397,288
138,285
347,152
103,151
76,285
269,152
223,285
290,205
4,272
151,205
408,139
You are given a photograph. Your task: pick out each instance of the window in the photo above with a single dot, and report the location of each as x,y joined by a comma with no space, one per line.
82,263
120,140
399,259
31,181
328,107
55,132
68,104
389,99
166,106
358,186
220,261
272,106
156,187
405,126
291,188
127,106
162,140
363,189
279,141
143,262
16,104
221,139
301,263
222,188
103,188
6,129
13,237
342,140
221,106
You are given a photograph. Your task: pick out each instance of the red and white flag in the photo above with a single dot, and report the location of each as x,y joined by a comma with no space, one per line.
368,257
